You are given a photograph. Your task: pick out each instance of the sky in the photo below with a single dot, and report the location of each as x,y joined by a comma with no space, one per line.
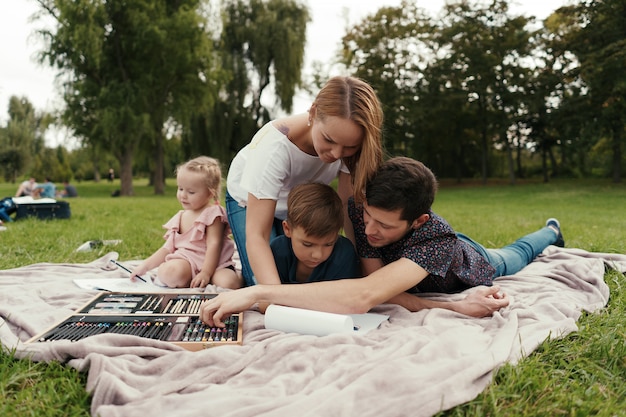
20,75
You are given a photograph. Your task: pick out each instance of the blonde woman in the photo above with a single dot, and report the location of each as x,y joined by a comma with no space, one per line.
339,137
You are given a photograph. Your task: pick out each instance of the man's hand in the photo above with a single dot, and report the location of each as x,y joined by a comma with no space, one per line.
482,302
212,311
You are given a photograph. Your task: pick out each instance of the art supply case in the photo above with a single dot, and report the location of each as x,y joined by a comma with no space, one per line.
169,317
56,210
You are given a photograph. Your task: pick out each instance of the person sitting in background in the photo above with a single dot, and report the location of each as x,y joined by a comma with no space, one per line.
26,188
68,190
45,190
312,249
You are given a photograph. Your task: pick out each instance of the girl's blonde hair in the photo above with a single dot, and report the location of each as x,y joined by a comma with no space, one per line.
210,168
354,99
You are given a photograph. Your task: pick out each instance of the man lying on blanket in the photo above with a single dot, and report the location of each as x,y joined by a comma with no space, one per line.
405,249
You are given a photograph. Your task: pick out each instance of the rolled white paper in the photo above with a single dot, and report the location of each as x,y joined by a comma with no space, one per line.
297,320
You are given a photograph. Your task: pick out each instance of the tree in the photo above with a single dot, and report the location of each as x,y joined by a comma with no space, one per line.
485,46
23,137
129,68
52,163
449,86
390,50
261,46
600,45
553,86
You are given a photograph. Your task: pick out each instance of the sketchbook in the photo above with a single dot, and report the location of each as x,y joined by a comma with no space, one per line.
319,323
118,285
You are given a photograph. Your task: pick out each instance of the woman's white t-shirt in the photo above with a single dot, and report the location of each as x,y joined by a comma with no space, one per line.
271,165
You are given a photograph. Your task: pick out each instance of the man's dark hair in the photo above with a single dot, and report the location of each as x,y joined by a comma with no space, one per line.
402,183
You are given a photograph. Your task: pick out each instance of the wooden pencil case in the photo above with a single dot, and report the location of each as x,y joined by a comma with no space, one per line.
169,317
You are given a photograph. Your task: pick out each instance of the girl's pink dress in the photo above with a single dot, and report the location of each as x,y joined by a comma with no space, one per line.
191,245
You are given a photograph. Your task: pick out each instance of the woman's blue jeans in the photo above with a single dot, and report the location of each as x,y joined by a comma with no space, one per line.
237,220
512,258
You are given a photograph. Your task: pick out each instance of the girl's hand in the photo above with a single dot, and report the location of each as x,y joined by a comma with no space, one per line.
200,281
137,272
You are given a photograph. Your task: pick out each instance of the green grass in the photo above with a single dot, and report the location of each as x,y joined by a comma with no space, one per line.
582,374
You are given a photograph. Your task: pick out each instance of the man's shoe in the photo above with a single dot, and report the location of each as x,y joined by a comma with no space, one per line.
554,224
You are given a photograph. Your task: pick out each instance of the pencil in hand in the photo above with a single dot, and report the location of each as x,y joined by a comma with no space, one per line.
126,269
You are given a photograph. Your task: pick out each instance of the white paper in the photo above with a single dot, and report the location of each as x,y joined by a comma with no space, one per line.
363,323
117,285
319,323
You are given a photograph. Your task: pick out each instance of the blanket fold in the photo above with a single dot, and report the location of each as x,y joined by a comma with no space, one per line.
414,364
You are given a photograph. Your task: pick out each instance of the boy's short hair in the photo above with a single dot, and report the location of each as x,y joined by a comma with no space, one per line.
316,208
402,183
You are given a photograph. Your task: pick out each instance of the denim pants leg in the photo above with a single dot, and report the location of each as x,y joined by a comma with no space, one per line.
512,258
237,220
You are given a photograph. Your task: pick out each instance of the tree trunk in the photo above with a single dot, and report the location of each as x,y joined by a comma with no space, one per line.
484,154
553,163
518,160
510,162
617,153
95,161
458,154
159,182
544,162
484,142
126,174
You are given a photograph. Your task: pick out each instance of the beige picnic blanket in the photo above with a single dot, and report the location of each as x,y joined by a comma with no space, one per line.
414,364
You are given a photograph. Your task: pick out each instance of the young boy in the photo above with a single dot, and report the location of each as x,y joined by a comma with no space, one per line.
404,248
312,249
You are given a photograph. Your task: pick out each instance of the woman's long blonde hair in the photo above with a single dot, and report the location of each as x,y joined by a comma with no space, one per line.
354,99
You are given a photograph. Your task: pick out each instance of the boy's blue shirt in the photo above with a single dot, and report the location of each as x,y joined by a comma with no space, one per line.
342,263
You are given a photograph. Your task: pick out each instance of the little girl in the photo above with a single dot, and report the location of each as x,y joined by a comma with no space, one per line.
198,250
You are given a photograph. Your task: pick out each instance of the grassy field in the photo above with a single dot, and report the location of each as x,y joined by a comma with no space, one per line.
580,375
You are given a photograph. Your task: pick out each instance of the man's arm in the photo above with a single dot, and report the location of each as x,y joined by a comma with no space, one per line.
481,302
347,296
